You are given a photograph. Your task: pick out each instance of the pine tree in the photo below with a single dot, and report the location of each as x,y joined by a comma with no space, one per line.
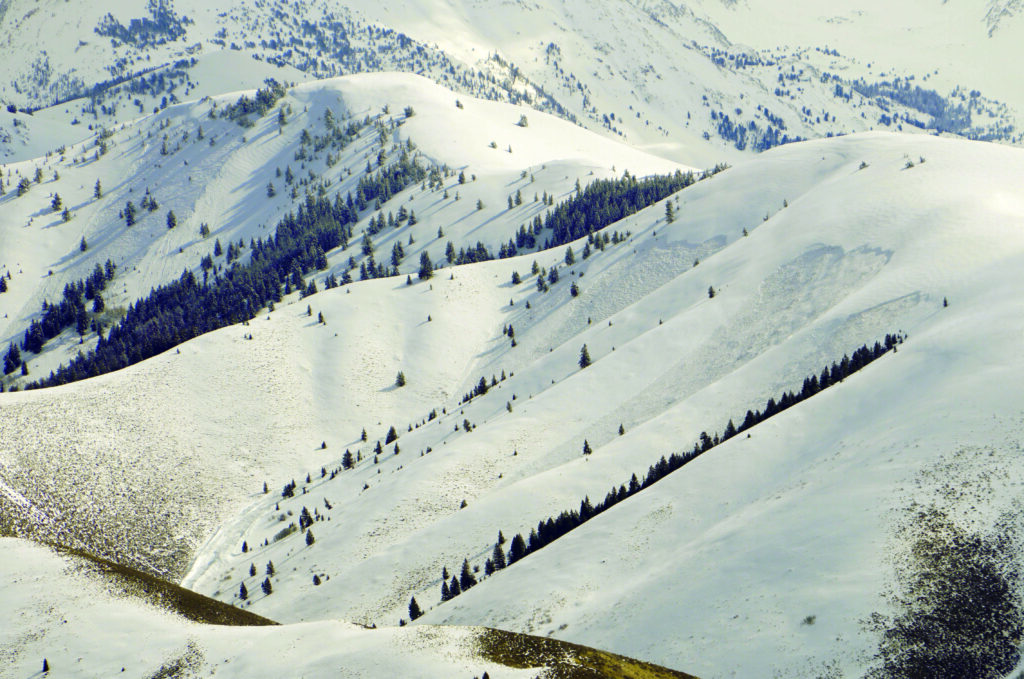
309,538
3,283
129,214
270,568
584,357
445,595
426,266
271,192
252,570
346,460
268,589
453,588
172,221
243,593
498,557
56,203
622,430
517,550
65,215
97,191
570,258
83,245
466,578
711,291
414,609
587,450
400,380
670,215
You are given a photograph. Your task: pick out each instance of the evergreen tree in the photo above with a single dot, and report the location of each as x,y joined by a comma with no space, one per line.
46,666
12,359
570,258
466,577
172,221
65,215
392,435
445,596
574,289
129,214
622,430
479,204
23,187
426,266
517,550
498,557
670,215
268,589
270,568
3,283
56,203
309,538
584,357
243,593
711,291
414,609
83,245
453,588
587,450
346,460
271,191
97,191
400,380
252,570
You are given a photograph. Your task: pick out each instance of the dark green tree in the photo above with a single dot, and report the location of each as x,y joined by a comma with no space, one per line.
426,266
414,609
584,357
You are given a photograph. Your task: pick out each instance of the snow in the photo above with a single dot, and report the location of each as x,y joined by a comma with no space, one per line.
55,608
742,544
223,185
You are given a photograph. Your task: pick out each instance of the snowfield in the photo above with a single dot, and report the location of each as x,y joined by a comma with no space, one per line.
716,569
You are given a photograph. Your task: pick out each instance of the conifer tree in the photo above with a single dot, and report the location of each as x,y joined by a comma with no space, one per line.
414,609
243,593
172,221
400,379
584,357
426,266
587,450
97,191
268,589
670,215
309,538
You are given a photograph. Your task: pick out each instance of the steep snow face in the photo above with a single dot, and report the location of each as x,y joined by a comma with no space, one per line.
55,608
847,240
213,173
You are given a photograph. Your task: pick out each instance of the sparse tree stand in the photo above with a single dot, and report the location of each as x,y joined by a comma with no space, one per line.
584,357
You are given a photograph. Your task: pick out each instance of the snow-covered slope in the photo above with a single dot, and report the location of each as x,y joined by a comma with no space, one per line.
62,611
696,82
711,570
211,171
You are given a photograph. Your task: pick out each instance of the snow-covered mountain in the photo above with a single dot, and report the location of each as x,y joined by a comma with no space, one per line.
360,312
698,82
216,175
847,240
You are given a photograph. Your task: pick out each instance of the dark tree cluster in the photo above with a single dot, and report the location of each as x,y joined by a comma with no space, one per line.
186,307
264,100
606,201
549,530
71,309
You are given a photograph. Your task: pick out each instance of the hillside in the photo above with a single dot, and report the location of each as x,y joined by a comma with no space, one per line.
63,611
801,521
697,83
215,170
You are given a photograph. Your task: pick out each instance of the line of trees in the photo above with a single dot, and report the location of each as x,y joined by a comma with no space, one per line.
549,530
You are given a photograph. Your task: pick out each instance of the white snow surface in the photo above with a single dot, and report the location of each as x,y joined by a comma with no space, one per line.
221,180
710,571
53,607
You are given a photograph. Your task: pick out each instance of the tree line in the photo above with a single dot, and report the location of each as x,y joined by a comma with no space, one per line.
550,529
